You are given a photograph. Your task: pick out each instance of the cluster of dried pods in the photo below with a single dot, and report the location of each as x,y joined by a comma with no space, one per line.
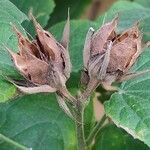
45,63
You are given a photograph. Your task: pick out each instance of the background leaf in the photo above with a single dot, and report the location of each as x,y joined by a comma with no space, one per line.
145,3
41,10
6,144
145,24
112,137
9,14
129,108
7,90
61,10
36,121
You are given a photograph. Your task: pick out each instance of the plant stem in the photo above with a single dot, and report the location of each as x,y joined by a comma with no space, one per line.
95,130
92,85
81,101
80,127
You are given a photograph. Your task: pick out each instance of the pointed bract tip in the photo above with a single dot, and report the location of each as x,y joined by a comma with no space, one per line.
16,31
69,13
66,33
116,19
30,14
14,28
117,15
36,24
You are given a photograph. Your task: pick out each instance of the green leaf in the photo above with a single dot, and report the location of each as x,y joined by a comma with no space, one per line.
37,122
61,10
129,108
145,3
6,144
145,24
41,10
7,90
129,13
9,14
146,29
112,137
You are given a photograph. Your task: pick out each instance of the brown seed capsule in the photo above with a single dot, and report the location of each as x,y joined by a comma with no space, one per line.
96,47
108,56
44,62
125,50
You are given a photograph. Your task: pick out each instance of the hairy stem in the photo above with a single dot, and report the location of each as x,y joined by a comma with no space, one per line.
64,91
92,85
80,113
95,130
80,126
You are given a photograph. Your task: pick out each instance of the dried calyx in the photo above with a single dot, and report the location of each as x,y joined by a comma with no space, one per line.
108,56
43,62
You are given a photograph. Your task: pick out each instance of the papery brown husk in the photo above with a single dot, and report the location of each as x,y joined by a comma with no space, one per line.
44,62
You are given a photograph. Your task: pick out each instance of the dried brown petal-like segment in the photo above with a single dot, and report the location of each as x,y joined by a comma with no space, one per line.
56,52
95,66
104,34
66,33
65,65
44,62
125,50
26,44
47,42
64,48
30,88
87,48
36,89
31,67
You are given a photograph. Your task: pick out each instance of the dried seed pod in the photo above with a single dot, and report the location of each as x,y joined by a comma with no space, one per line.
125,51
108,56
44,62
97,48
